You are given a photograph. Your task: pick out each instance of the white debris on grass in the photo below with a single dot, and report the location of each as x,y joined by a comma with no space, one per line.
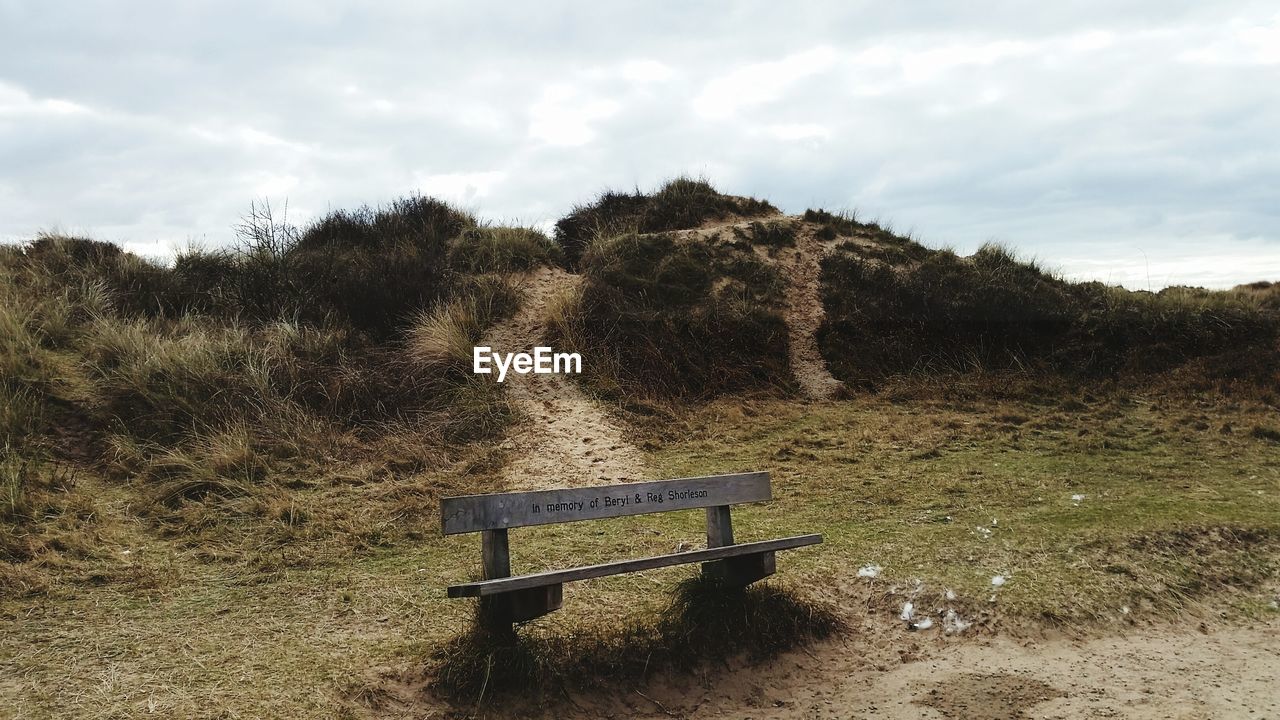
1077,498
924,624
908,611
983,531
951,594
870,571
998,581
952,623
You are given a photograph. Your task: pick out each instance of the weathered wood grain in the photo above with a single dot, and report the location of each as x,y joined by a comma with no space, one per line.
493,587
472,513
719,526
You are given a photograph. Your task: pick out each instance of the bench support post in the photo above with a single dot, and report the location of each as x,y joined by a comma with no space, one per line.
742,570
498,612
495,611
719,526
495,553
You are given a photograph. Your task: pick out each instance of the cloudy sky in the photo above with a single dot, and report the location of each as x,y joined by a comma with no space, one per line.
1135,143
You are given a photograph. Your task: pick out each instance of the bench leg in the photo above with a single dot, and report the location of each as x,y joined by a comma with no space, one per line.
742,570
499,612
535,602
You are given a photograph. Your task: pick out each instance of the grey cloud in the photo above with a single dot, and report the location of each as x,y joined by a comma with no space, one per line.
1086,134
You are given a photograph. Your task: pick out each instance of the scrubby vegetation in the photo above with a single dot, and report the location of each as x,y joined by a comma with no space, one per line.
773,235
210,386
1267,294
257,437
933,312
671,316
680,204
502,249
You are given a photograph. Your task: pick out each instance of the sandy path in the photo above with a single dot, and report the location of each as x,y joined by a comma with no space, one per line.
566,439
804,313
1148,674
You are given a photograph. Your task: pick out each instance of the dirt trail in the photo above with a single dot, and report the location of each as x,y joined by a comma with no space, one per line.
1148,674
567,440
804,313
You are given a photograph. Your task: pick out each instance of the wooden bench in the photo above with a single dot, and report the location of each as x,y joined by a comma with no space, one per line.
505,599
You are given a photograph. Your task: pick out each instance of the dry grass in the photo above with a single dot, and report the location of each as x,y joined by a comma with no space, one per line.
444,335
344,573
484,250
208,505
931,312
704,622
678,316
682,203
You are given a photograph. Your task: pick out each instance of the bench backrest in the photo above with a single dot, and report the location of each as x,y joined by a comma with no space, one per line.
473,513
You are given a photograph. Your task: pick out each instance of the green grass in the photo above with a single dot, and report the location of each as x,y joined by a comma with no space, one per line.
335,614
908,489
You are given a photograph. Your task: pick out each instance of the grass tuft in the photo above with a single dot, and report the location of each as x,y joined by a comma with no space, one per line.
502,250
679,204
705,622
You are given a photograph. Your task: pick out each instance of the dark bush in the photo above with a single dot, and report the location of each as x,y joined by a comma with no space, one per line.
502,250
680,204
207,281
138,286
415,220
991,311
682,317
889,246
369,268
773,235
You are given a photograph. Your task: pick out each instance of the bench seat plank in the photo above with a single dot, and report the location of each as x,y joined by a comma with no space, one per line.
500,585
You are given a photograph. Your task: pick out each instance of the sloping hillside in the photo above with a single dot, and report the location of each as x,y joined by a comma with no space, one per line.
252,443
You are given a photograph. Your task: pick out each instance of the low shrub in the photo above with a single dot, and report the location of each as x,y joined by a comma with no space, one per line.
1266,294
443,336
680,204
679,317
772,235
991,311
501,250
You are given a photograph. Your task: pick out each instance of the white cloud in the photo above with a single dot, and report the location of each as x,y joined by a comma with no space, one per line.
1243,43
1075,132
646,71
460,188
759,83
564,116
272,185
17,102
799,131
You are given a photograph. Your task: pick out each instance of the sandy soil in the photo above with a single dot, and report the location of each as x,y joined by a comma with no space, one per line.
1146,674
567,440
804,314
